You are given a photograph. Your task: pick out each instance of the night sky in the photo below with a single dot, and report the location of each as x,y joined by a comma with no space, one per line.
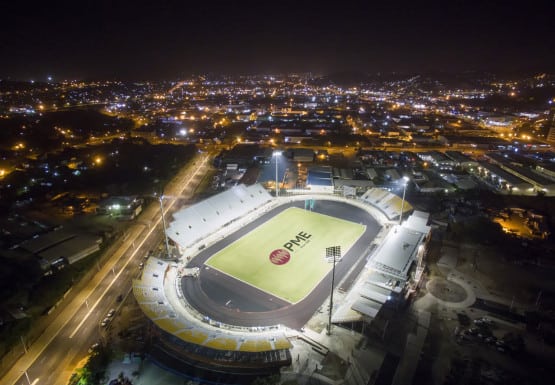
139,40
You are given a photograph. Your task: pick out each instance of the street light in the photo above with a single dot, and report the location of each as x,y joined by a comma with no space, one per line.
27,377
405,181
161,198
23,343
276,154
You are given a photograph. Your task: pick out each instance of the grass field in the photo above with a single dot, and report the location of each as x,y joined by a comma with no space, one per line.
248,258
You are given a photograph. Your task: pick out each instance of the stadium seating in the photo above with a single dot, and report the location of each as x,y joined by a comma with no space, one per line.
255,345
198,221
388,203
222,343
177,321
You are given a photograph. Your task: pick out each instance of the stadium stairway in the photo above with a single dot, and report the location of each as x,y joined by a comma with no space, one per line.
310,338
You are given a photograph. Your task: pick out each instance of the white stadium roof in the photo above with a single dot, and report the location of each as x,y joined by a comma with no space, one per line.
202,219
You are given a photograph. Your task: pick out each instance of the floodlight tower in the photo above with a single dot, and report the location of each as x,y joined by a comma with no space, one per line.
276,155
333,251
405,181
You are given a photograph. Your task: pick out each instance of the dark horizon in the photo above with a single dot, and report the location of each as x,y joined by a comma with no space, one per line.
168,40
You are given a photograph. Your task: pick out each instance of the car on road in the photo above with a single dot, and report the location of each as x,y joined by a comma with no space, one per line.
105,322
111,313
94,347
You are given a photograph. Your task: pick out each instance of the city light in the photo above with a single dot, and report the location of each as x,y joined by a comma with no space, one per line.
218,135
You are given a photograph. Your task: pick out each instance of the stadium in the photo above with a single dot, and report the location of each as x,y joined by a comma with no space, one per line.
253,269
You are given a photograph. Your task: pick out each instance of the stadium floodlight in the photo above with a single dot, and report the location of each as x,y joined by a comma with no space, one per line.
277,154
405,182
333,251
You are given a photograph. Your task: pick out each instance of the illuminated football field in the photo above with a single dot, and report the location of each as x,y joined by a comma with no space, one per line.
300,234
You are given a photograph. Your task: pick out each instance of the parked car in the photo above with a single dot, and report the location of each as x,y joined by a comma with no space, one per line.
94,347
487,321
473,331
491,340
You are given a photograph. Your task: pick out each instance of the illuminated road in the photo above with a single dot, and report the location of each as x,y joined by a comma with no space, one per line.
56,353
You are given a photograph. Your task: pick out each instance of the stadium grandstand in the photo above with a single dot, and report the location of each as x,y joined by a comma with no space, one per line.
388,203
387,275
183,333
195,223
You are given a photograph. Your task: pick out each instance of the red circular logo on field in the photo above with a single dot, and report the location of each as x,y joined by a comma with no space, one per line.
280,257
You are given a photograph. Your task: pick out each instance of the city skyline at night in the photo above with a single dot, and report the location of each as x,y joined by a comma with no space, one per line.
277,193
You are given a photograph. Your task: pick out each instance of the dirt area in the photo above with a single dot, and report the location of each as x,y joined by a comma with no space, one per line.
446,290
126,333
460,348
333,367
503,278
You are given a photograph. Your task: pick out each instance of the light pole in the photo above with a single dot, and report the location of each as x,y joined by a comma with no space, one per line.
23,343
27,377
405,181
164,226
335,251
331,295
276,154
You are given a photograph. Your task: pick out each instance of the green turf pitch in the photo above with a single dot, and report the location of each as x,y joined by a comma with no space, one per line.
248,258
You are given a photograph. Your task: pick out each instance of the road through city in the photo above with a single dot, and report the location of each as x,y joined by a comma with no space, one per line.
52,358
